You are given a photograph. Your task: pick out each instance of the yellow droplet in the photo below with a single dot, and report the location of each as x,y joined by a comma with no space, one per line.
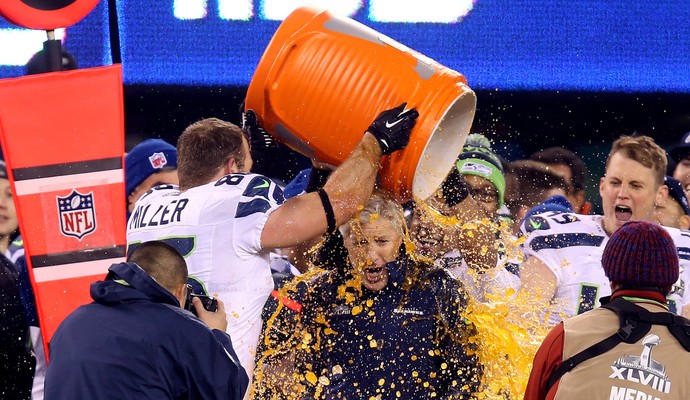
311,377
324,380
382,382
372,343
356,310
306,337
415,374
337,370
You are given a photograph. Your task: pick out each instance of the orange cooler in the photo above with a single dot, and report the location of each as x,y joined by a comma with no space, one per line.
323,79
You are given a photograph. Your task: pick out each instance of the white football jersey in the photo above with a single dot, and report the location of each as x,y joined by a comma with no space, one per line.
572,245
217,228
495,281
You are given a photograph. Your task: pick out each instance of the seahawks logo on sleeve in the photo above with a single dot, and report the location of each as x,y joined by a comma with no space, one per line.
258,187
540,222
535,223
260,191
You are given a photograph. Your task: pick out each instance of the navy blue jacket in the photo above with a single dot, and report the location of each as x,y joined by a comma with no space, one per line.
407,340
135,342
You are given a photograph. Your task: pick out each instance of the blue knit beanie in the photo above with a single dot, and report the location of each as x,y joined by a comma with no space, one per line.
145,159
641,253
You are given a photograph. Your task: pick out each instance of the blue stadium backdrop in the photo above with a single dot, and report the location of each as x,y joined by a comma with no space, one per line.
606,45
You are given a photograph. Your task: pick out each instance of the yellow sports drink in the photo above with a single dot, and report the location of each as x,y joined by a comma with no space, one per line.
323,79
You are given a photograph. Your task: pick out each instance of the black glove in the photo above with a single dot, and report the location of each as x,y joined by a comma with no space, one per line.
392,128
259,140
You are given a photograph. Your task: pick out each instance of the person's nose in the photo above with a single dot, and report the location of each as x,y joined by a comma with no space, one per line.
622,192
372,254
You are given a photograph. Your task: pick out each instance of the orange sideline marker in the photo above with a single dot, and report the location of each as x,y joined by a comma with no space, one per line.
63,140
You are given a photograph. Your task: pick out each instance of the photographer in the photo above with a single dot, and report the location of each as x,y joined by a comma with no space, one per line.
135,341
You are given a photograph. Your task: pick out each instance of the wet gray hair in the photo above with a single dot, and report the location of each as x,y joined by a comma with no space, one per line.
381,204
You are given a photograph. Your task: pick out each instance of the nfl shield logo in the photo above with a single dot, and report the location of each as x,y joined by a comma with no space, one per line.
158,160
77,215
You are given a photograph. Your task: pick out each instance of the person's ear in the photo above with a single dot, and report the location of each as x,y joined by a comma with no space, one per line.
180,293
231,166
661,195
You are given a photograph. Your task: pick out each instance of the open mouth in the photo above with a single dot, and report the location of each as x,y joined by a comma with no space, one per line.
623,213
373,274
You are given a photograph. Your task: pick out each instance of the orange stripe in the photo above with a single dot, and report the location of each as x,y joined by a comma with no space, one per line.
289,303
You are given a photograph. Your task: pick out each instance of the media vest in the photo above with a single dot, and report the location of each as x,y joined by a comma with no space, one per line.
644,364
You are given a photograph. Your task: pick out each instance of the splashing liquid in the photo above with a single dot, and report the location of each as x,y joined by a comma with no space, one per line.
510,327
505,347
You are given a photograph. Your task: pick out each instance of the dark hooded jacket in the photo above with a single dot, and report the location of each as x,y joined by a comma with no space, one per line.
135,342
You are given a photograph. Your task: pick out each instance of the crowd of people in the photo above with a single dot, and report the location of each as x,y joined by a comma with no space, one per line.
329,288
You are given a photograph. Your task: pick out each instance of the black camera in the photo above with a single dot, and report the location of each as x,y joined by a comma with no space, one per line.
209,303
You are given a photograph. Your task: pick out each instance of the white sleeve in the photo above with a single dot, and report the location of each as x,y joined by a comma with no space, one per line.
260,198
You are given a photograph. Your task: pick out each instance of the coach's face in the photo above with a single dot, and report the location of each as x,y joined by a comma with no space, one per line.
628,192
370,247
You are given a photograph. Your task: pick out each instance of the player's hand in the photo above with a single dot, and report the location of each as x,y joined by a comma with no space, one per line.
392,128
213,319
259,139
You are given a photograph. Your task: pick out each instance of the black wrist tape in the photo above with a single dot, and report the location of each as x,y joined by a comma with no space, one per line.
317,178
328,209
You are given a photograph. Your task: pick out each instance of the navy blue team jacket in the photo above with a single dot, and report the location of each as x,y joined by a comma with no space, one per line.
135,342
400,342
